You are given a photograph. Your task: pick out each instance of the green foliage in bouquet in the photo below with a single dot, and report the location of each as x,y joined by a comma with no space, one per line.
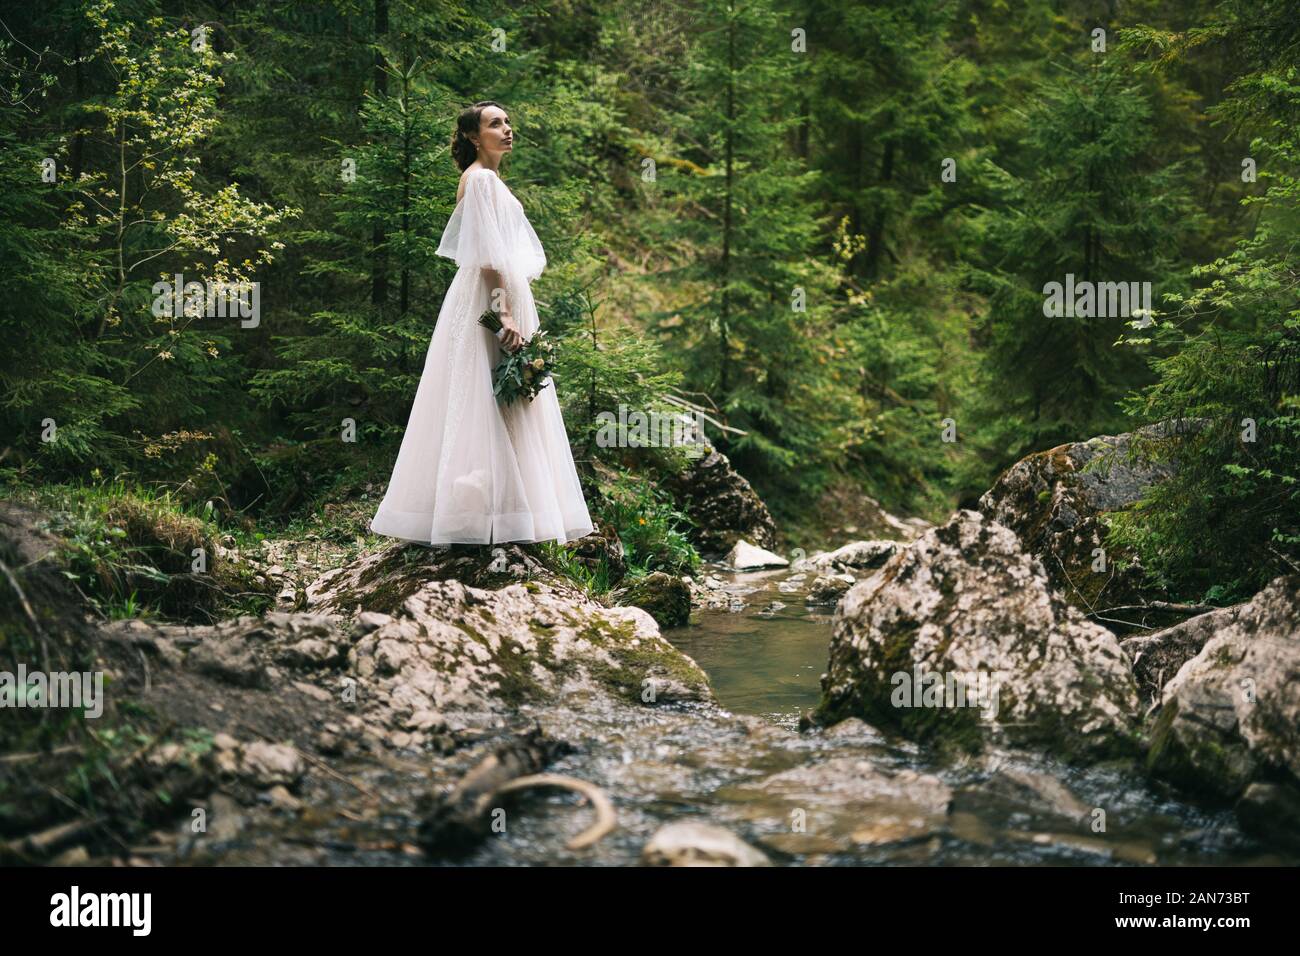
524,372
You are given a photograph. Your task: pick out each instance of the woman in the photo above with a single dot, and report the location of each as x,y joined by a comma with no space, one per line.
470,470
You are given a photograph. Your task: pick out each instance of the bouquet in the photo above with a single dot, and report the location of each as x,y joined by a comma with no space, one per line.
525,372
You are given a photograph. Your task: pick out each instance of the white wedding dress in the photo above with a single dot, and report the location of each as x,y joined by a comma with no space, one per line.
471,470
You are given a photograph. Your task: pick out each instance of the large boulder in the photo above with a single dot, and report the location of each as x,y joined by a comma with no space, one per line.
1230,717
1056,500
965,600
457,648
723,505
1158,655
381,581
404,658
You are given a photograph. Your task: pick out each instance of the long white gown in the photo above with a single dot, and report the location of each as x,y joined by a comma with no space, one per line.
471,470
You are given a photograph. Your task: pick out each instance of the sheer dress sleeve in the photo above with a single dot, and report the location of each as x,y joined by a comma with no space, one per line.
478,233
488,230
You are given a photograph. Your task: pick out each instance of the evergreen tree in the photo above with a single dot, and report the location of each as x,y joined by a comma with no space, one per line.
751,335
1089,202
50,373
139,213
1234,369
357,358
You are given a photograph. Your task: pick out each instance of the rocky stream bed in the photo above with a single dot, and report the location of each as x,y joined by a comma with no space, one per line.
409,687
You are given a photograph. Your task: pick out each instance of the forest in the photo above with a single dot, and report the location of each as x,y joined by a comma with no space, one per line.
832,224
886,249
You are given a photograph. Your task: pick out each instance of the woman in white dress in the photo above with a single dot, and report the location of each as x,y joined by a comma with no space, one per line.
471,470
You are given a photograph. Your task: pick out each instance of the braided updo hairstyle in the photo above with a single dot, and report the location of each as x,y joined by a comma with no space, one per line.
462,150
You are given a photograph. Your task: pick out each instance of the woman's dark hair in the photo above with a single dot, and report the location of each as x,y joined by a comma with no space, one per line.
462,150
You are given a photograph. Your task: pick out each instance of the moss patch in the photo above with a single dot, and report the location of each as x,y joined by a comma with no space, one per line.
633,665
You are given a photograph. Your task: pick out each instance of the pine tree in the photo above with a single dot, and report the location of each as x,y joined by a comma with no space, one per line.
139,212
1228,520
1087,202
892,128
760,296
55,400
356,358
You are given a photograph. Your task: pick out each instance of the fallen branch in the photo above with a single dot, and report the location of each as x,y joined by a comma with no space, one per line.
38,845
457,821
606,820
1161,606
699,410
22,757
1282,557
1116,620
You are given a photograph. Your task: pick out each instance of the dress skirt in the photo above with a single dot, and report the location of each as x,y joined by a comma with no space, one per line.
471,470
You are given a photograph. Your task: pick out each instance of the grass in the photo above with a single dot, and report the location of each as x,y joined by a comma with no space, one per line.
130,548
652,529
593,581
134,551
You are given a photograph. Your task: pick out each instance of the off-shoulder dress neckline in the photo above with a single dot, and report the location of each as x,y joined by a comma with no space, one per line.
483,169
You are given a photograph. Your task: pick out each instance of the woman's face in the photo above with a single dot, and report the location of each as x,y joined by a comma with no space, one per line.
494,134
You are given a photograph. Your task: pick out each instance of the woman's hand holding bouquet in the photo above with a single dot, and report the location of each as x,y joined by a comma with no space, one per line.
510,338
527,368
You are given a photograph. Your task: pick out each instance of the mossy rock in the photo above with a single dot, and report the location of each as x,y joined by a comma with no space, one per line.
665,597
965,603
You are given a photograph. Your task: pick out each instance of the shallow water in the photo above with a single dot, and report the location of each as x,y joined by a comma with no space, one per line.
767,659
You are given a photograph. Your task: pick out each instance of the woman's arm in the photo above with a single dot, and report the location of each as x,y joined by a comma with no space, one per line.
511,339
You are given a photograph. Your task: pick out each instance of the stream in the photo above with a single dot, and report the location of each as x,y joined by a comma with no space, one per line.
767,659
764,663
843,796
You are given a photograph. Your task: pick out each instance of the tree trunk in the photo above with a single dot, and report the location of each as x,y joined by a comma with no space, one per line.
379,255
724,317
876,237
